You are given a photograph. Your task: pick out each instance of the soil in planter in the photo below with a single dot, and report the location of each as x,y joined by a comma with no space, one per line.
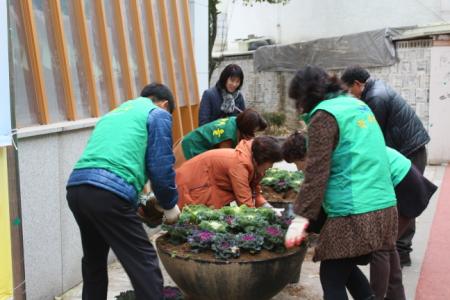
272,196
184,251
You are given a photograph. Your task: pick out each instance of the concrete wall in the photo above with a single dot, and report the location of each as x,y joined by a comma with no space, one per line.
267,91
52,245
302,20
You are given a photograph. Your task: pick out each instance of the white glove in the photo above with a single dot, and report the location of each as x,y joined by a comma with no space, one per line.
296,232
276,210
171,215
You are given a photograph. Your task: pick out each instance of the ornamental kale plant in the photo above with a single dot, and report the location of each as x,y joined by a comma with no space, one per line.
200,240
229,230
282,180
273,238
179,232
250,241
225,246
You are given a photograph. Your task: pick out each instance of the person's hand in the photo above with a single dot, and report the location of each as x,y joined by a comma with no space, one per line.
171,215
276,210
296,232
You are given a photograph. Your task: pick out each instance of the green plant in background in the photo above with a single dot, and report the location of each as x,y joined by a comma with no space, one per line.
282,180
275,118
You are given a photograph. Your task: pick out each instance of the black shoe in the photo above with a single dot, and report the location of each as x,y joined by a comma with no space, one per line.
405,260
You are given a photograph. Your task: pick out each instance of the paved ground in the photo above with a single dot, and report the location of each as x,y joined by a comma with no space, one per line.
427,278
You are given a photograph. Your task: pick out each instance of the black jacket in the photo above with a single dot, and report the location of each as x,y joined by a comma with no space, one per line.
210,106
402,128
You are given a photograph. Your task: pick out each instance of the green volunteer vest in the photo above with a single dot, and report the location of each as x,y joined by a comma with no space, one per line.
119,142
359,180
206,137
400,165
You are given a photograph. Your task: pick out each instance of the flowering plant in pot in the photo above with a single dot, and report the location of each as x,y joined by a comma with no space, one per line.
280,186
229,253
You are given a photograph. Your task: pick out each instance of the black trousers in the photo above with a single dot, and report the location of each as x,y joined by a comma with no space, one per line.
404,243
107,221
338,274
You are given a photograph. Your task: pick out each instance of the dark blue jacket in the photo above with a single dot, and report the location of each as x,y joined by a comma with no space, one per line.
159,162
211,103
402,128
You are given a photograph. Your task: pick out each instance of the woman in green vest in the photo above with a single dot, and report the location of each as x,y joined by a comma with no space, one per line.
347,173
221,133
413,192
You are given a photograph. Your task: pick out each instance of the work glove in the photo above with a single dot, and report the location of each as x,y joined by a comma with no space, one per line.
276,210
171,215
296,232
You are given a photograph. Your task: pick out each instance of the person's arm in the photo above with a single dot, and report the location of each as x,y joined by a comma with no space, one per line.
204,114
323,134
259,199
241,102
239,177
160,158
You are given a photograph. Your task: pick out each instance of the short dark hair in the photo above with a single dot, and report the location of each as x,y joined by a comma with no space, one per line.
232,70
159,92
353,73
250,121
310,86
266,149
294,148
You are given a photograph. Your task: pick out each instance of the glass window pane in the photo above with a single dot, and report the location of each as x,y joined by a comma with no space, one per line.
114,46
76,63
92,24
132,51
26,110
162,53
188,63
176,54
147,41
49,61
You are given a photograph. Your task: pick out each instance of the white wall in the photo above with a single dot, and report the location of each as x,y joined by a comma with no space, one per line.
302,20
199,25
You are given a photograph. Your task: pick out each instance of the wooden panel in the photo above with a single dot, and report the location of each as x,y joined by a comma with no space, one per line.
105,53
170,68
138,36
61,53
188,123
123,48
34,56
86,55
154,44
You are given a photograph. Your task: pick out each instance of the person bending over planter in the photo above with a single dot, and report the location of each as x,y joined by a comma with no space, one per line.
413,192
217,177
130,142
225,98
347,172
221,133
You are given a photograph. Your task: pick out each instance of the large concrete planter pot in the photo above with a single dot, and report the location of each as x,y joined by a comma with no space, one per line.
208,278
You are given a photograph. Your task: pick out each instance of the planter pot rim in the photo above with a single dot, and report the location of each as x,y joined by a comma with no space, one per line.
288,253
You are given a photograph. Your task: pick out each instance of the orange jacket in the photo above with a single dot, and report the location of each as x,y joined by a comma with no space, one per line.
218,177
